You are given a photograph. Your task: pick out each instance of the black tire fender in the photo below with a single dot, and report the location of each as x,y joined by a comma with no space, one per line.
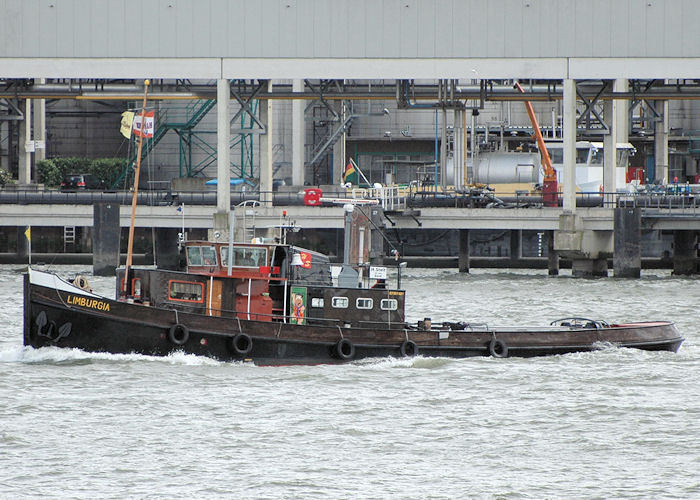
179,334
344,349
498,348
409,349
241,344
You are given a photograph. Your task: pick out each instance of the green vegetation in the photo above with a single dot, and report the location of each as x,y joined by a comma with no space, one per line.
5,177
51,171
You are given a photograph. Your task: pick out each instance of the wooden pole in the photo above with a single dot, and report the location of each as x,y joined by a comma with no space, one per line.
134,199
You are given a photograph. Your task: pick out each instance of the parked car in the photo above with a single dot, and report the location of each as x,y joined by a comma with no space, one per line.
81,181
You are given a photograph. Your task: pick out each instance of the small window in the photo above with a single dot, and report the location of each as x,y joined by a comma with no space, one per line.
363,303
186,291
209,256
201,256
194,256
316,301
389,304
340,302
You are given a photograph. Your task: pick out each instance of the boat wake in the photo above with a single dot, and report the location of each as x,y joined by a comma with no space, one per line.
63,356
418,362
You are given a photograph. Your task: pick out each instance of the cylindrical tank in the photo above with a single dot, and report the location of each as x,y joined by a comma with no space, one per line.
507,168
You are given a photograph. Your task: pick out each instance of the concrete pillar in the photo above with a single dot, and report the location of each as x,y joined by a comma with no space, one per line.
627,256
223,136
463,263
661,143
569,126
516,248
40,126
684,252
298,135
610,151
266,141
339,162
105,239
589,268
25,136
552,255
166,249
622,123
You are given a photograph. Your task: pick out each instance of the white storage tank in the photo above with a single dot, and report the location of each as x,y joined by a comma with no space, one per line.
507,168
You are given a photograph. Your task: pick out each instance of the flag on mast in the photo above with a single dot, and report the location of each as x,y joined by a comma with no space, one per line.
28,233
127,123
350,174
149,125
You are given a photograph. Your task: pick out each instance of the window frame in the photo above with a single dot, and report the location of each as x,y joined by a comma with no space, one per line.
336,299
369,300
393,302
200,285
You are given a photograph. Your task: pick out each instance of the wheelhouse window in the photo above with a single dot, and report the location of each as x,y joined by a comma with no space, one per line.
364,303
340,302
389,304
245,257
186,291
317,302
201,256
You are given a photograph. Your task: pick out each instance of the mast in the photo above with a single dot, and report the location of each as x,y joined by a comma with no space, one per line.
130,248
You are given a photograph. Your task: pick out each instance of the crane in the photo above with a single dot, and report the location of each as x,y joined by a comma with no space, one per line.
550,195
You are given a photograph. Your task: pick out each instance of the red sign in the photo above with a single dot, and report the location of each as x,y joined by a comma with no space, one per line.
312,197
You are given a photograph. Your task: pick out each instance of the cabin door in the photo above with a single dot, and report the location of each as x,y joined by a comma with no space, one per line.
214,298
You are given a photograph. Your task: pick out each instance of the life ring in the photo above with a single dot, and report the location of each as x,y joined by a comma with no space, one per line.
241,344
179,334
345,349
81,282
409,348
498,348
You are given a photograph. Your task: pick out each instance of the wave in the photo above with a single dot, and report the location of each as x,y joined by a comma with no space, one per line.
62,356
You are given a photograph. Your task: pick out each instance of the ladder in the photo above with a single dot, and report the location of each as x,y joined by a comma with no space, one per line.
68,238
249,219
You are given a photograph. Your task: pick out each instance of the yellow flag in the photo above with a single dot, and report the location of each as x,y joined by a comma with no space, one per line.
28,233
127,122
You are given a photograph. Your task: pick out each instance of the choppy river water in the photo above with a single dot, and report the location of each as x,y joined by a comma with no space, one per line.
612,423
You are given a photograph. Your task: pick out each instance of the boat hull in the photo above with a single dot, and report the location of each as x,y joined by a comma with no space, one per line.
69,317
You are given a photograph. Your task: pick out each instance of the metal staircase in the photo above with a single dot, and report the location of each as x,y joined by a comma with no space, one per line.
183,122
325,145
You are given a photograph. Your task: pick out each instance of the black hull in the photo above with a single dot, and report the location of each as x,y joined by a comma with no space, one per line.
54,317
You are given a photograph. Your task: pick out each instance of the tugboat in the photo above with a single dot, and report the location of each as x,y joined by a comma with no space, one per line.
273,303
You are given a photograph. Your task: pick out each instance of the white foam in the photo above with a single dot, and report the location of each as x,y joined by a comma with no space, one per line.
62,355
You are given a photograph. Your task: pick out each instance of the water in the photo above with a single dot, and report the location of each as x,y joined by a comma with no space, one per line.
612,423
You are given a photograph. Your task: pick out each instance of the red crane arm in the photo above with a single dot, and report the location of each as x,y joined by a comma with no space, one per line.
550,175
